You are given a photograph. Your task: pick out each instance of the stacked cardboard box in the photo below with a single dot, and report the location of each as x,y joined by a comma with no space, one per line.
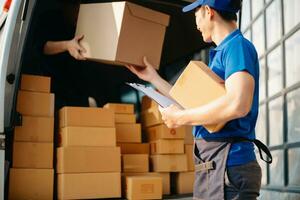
32,174
88,160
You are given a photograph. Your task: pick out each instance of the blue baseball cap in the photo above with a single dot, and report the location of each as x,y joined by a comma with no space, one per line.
222,5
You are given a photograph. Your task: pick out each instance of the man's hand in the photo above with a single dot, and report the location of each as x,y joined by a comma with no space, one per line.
171,115
75,49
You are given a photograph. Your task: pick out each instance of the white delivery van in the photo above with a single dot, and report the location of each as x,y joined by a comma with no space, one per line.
18,25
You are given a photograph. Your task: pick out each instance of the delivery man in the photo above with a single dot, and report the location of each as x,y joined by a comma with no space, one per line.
226,167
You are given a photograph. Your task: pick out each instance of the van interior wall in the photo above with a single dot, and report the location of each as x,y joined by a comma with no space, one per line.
104,82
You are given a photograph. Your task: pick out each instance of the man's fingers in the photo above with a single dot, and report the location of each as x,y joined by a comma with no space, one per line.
79,37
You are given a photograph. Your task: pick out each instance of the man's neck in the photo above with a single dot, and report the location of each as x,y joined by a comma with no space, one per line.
222,30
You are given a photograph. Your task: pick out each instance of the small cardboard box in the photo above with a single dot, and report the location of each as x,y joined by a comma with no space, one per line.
189,151
189,137
163,132
32,184
85,116
143,187
121,32
87,136
165,180
89,185
35,83
88,159
129,133
33,155
120,108
125,118
134,148
168,163
184,182
135,163
151,117
198,85
147,103
166,146
35,104
35,129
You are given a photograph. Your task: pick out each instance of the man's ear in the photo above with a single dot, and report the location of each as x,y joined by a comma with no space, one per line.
209,11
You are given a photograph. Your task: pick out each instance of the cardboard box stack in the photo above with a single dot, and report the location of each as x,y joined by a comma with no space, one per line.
137,181
32,174
88,160
119,25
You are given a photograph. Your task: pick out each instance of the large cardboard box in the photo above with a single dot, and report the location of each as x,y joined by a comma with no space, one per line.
198,85
87,136
35,103
34,184
168,163
189,151
125,118
135,163
166,146
130,133
151,117
35,83
184,182
143,187
89,185
85,116
88,159
165,180
35,129
120,108
33,155
121,32
163,132
134,148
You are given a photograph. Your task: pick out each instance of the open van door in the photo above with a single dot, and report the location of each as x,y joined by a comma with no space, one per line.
12,36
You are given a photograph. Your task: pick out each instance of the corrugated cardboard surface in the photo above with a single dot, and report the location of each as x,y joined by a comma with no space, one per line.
120,108
89,185
88,159
143,187
184,182
119,25
33,155
168,163
189,137
125,118
135,163
35,129
87,136
167,146
165,179
35,103
151,117
198,85
134,148
130,133
189,151
35,83
85,116
35,184
147,103
163,132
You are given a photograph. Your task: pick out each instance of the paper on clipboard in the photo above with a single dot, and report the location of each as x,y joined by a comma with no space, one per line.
162,100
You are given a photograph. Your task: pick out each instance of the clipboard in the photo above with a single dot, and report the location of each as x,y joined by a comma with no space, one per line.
162,100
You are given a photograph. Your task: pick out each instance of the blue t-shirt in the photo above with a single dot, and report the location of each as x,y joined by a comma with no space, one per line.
234,54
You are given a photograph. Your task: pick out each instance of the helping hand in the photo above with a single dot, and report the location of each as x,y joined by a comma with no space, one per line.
75,49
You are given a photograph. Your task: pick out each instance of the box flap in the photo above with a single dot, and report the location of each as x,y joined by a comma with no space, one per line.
148,14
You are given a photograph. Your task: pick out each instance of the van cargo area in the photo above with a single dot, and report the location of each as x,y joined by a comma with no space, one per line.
84,133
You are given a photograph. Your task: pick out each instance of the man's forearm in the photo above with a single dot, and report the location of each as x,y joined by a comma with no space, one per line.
163,86
55,47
